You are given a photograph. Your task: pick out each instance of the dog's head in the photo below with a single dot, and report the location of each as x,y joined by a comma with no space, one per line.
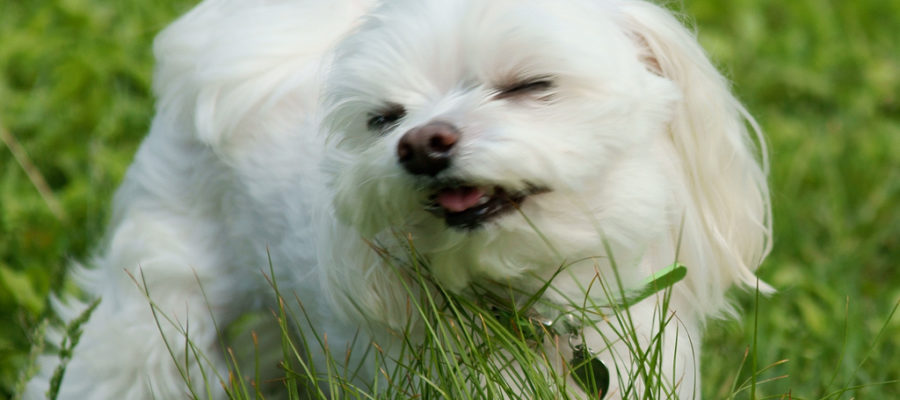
468,121
452,113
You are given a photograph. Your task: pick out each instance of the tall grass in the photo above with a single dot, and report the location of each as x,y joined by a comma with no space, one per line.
489,343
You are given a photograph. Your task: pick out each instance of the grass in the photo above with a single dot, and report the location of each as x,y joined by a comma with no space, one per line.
487,346
822,77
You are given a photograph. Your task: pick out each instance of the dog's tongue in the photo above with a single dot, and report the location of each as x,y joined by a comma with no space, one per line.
459,199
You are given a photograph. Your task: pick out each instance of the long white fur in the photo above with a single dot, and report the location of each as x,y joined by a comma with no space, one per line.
260,144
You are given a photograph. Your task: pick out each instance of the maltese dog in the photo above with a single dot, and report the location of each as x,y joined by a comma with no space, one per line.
550,147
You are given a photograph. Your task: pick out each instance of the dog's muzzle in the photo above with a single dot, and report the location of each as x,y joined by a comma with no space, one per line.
426,151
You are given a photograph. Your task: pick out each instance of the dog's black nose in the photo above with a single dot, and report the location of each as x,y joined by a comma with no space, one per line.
426,150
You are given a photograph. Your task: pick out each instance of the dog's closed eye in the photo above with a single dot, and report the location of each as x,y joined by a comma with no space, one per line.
525,87
386,118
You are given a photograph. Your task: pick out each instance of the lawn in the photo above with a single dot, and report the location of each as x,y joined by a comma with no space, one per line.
821,76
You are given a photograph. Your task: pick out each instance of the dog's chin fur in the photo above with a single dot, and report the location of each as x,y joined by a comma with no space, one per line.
261,147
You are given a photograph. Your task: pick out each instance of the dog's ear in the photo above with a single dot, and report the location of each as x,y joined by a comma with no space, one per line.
728,216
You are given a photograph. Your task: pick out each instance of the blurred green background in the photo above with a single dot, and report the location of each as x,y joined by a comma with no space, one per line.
821,76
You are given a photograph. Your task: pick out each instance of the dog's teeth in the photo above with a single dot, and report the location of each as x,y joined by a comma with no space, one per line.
482,201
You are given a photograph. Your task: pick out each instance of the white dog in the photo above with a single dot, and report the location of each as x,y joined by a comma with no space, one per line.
504,137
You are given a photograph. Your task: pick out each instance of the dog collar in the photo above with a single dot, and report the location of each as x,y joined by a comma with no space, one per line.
533,322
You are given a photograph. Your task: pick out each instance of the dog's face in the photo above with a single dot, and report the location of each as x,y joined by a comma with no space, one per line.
445,117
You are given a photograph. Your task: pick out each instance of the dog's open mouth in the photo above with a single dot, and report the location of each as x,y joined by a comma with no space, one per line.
468,207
